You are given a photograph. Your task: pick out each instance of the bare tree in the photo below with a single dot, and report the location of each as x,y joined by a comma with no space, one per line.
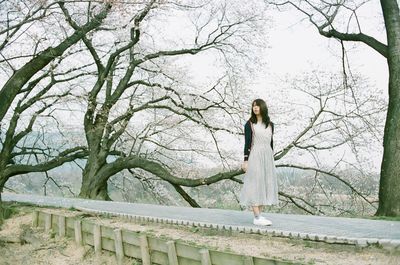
145,114
24,148
333,123
31,87
340,20
132,81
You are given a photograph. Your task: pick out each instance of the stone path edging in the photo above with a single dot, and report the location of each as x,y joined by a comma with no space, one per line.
361,242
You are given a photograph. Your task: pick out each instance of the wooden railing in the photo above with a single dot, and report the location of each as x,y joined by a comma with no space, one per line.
149,249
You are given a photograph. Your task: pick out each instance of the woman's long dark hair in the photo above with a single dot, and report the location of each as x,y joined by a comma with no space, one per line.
263,111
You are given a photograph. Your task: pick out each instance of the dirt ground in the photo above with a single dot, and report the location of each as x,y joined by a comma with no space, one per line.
45,248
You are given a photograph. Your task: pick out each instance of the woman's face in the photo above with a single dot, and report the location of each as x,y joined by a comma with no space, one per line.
256,109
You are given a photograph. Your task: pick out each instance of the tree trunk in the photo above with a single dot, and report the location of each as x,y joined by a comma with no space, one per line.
3,180
389,184
389,195
95,190
93,187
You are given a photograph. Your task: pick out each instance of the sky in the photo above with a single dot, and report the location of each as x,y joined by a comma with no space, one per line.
295,46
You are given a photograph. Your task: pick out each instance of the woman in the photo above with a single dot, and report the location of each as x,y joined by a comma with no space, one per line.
260,185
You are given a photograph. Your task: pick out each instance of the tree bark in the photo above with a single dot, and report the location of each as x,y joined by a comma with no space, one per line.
186,196
2,211
389,195
94,187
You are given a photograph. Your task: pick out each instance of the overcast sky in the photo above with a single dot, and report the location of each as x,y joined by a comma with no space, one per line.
296,47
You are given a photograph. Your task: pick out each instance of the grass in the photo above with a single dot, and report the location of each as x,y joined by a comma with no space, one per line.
7,210
374,217
386,218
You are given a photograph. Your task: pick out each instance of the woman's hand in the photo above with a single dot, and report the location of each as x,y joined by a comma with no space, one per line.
244,166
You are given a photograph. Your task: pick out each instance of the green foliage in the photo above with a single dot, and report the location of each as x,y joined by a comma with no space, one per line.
387,218
7,210
194,229
52,234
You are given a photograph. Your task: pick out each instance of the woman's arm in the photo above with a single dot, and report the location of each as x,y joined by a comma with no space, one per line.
247,140
272,136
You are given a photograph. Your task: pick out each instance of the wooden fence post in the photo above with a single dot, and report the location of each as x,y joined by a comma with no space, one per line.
47,222
61,226
144,250
35,219
97,238
248,260
205,256
119,247
172,257
78,232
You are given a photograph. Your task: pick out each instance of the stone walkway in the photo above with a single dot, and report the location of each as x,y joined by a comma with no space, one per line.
353,231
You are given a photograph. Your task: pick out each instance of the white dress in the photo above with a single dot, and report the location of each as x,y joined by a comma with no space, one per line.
260,185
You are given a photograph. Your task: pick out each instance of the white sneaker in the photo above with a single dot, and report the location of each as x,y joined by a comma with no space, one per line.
261,221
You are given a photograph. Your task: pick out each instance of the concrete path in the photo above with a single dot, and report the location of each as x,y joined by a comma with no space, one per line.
353,231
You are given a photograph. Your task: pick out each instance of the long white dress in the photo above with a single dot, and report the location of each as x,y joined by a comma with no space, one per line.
260,185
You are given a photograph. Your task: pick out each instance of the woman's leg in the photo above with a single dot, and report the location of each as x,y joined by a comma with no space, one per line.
258,219
256,211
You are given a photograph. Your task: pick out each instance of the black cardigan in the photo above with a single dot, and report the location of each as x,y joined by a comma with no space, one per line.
248,138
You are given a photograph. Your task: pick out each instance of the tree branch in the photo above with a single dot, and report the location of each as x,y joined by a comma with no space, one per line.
13,85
